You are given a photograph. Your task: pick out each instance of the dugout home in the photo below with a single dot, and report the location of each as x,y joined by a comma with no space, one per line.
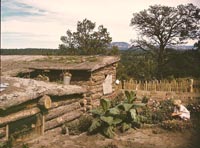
96,74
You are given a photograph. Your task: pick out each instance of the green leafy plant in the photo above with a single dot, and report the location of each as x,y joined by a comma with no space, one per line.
123,116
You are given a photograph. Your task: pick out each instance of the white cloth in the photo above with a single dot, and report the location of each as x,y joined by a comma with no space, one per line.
117,82
185,114
107,85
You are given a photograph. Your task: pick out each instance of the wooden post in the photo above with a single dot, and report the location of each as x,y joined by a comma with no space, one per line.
146,85
176,87
157,85
7,132
43,124
135,84
131,84
154,84
40,123
140,86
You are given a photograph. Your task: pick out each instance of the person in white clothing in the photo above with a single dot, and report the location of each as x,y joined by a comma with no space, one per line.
180,111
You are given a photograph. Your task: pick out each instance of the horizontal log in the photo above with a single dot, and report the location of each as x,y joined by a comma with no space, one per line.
62,119
27,105
63,102
80,83
18,115
32,90
103,73
97,95
97,89
15,101
98,78
56,112
98,83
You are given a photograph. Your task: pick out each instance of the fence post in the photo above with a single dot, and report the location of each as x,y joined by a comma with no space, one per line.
170,86
123,85
136,85
191,85
146,85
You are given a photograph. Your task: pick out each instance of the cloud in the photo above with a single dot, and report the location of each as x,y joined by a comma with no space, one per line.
13,8
26,21
36,30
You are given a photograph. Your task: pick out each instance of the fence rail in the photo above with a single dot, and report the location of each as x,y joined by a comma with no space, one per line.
185,85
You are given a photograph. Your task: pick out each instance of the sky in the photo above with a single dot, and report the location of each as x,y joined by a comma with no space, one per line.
41,23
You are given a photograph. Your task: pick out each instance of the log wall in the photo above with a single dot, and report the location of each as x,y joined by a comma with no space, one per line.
97,80
94,84
61,110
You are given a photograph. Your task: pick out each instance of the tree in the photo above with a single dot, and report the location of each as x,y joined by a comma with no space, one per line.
161,27
86,40
197,45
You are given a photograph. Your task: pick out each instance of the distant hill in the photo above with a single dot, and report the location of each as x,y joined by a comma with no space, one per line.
183,47
180,47
121,45
125,46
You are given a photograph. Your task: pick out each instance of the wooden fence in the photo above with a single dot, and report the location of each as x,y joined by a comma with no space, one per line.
183,85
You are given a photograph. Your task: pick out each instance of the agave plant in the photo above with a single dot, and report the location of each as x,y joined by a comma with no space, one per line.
123,115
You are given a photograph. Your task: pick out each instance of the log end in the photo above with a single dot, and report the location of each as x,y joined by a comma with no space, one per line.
45,102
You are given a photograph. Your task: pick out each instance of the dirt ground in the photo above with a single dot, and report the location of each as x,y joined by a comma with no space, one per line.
141,138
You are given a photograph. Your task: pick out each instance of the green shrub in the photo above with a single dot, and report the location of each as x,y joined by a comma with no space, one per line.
80,125
194,108
176,125
158,111
145,99
108,118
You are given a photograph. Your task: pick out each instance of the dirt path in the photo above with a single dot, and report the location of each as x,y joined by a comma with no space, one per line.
141,138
